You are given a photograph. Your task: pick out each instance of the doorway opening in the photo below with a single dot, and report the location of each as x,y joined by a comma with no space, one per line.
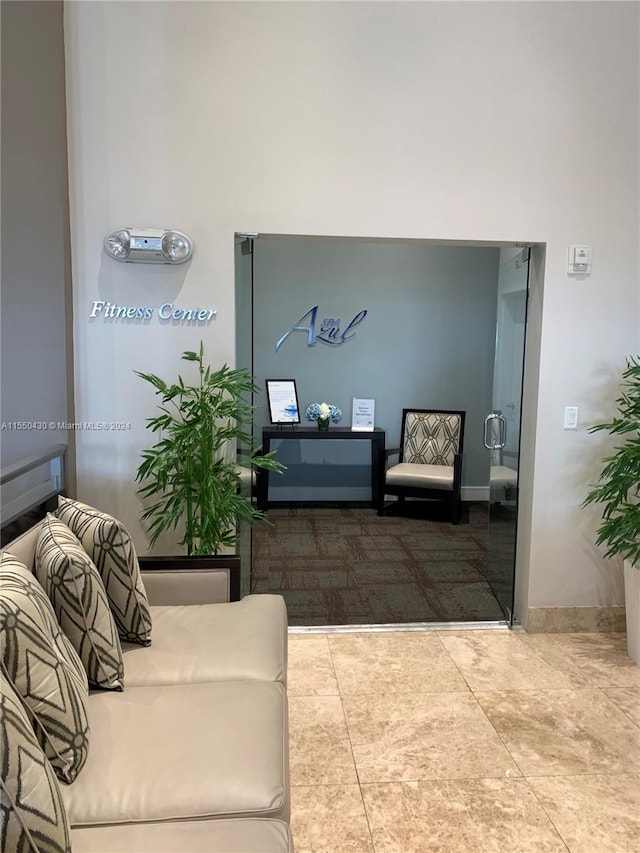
402,323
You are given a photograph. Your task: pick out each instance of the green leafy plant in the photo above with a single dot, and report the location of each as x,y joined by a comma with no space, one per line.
619,483
188,472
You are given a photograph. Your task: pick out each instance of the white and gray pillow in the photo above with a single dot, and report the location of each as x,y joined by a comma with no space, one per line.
44,668
33,814
80,602
109,545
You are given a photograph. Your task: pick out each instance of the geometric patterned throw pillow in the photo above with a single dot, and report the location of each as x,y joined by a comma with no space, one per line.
79,600
43,668
33,815
109,545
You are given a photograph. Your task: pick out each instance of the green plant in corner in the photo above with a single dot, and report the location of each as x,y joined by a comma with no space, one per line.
618,487
187,472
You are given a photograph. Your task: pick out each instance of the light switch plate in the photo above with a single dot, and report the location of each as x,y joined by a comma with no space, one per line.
579,260
571,417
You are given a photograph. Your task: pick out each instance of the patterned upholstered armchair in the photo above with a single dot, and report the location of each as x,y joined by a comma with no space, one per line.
430,459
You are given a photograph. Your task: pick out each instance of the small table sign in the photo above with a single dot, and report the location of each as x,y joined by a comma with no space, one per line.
363,415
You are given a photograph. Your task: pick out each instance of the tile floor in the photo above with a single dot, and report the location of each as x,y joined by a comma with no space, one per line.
463,741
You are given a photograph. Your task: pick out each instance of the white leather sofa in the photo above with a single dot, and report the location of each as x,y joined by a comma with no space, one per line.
192,755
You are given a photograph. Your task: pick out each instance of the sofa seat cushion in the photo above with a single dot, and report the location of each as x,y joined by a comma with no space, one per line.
237,640
184,751
238,835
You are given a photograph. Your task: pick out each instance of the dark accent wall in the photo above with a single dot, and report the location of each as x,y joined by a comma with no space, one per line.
428,340
37,388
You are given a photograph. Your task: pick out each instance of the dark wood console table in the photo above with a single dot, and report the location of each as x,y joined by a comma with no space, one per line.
334,433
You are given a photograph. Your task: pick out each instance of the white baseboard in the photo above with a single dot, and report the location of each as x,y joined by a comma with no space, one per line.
469,493
316,493
475,493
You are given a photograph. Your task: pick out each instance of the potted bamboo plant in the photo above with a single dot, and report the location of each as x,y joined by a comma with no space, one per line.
618,491
191,475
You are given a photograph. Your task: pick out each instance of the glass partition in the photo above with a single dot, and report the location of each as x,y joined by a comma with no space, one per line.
403,324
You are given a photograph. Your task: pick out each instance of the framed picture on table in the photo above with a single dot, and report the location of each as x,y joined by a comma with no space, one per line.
283,401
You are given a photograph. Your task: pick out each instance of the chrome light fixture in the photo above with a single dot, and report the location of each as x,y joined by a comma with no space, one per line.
148,246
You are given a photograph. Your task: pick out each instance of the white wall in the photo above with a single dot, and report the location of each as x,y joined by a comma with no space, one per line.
469,121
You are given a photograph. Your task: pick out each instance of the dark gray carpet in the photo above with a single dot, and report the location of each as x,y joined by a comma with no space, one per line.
344,565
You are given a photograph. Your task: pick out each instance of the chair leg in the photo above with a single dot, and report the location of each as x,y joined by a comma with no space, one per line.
455,509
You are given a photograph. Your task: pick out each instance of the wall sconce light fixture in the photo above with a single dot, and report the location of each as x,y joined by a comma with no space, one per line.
148,246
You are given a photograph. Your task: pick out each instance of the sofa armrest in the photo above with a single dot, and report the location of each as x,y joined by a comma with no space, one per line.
191,580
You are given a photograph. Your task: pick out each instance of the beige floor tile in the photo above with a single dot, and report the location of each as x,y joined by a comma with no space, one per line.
594,814
320,753
310,670
423,736
398,662
554,656
488,815
329,819
563,732
507,661
603,657
627,699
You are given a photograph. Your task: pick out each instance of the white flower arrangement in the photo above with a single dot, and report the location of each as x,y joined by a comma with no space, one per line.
322,411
